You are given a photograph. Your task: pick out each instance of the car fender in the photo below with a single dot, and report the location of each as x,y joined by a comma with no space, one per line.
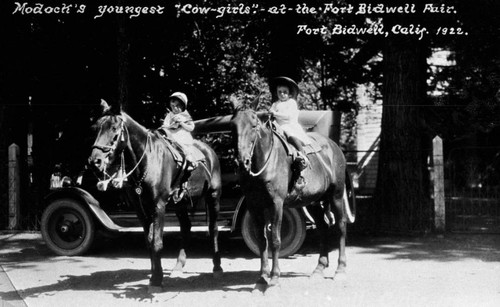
238,213
85,198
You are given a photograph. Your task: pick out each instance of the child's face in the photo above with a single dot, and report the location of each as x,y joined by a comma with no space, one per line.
283,93
176,106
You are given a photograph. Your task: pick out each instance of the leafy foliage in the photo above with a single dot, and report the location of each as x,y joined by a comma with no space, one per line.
54,70
470,101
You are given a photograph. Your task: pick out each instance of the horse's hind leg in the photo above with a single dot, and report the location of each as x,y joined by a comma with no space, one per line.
318,214
213,206
185,225
341,227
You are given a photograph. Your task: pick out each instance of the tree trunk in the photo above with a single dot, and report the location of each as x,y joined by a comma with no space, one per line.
402,194
123,64
284,44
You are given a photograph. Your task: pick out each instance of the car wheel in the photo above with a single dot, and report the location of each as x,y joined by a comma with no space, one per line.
293,232
349,200
67,227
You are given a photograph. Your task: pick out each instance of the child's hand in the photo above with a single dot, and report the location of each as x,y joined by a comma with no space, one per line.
177,119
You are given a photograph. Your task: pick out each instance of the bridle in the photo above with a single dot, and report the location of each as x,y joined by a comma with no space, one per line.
120,176
258,129
109,149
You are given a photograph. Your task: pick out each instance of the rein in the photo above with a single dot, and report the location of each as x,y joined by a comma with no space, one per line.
140,160
252,152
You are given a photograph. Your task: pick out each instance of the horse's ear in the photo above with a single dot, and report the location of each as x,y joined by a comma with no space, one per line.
105,107
255,103
235,102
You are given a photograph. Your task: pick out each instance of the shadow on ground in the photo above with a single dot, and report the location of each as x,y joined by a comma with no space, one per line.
445,248
450,247
129,245
131,284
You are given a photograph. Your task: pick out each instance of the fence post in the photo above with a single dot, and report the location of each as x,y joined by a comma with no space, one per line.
14,188
439,200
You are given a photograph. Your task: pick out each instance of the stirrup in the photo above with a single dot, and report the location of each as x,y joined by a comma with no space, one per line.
300,182
301,161
179,194
191,165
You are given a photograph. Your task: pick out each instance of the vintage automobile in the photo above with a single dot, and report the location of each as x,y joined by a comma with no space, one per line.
75,210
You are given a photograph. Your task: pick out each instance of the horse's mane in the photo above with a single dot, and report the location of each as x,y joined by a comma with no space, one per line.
262,116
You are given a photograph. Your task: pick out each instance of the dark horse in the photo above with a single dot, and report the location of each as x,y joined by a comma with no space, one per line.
153,178
268,183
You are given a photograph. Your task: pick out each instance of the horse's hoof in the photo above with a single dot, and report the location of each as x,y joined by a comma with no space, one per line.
259,289
263,280
217,274
155,289
176,273
275,281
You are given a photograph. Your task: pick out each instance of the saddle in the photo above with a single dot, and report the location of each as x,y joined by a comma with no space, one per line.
179,156
178,153
311,148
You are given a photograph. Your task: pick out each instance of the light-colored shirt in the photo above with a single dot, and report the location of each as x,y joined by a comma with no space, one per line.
287,117
180,133
286,112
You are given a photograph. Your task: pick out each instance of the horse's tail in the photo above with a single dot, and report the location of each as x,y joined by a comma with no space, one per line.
205,167
349,199
211,164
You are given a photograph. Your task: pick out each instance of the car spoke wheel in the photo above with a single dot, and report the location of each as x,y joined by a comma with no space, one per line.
293,232
67,227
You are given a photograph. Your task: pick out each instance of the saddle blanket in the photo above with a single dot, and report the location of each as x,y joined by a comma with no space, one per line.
196,153
312,147
178,154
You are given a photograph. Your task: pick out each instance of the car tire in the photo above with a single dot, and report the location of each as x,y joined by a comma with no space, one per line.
293,232
67,227
349,199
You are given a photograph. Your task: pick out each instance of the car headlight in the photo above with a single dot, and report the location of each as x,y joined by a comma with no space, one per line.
66,182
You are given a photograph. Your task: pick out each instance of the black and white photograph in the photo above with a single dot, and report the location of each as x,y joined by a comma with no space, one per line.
250,153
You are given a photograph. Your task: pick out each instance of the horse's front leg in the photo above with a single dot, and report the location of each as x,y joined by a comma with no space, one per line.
185,225
260,221
213,212
275,230
155,240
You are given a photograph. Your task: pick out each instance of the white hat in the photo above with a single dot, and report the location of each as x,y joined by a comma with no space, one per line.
181,96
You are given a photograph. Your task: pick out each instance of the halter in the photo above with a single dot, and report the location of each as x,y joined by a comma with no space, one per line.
120,176
257,136
111,148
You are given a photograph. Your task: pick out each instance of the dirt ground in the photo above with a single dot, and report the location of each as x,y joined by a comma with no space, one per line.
454,270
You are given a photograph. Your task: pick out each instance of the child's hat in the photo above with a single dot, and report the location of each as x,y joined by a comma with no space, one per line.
181,96
292,86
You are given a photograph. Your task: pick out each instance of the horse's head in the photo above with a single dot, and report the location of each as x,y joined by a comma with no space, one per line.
110,139
246,131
